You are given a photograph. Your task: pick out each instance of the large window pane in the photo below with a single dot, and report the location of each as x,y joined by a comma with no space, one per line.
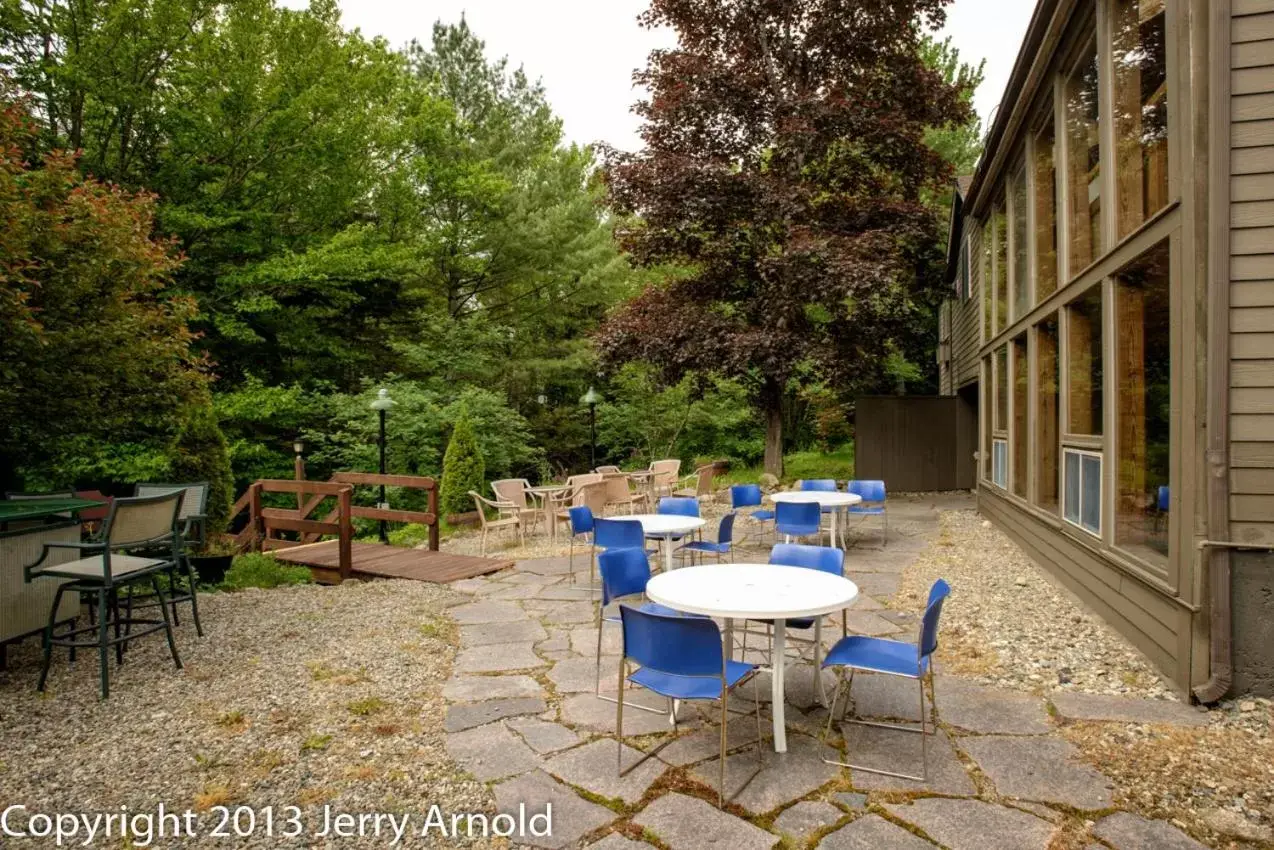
1021,283
1090,493
1001,421
984,279
1046,436
1045,215
1001,271
1140,110
1021,439
1072,487
986,424
1083,160
1084,370
1143,412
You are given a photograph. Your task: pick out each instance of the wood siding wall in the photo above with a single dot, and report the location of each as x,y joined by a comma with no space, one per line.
915,443
1252,271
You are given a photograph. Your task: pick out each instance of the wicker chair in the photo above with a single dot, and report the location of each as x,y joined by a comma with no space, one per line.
702,483
619,494
146,523
509,521
517,500
663,478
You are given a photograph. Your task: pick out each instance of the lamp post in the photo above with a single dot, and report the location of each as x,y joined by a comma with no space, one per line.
298,470
381,405
591,398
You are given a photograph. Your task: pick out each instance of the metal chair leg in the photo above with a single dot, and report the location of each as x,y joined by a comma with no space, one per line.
103,644
923,731
168,626
601,621
47,660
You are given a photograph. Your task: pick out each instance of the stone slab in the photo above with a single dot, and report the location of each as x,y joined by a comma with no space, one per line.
559,641
529,578
573,816
705,743
515,632
575,675
469,585
990,711
1125,831
867,623
541,735
1078,706
784,778
851,800
498,658
557,566
491,753
615,841
688,823
807,817
881,697
894,750
584,640
477,688
565,593
568,613
487,611
593,767
1046,770
586,711
975,825
470,714
874,584
873,833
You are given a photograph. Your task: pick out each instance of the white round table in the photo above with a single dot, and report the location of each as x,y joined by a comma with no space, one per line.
756,592
824,499
665,527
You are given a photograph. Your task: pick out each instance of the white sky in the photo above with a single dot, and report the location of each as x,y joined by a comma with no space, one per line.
585,51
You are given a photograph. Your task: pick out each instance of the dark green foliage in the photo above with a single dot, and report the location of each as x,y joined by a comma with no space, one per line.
200,453
462,468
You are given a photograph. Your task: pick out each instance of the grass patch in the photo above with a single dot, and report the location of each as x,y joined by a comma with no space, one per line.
316,742
368,706
232,720
213,795
838,464
262,571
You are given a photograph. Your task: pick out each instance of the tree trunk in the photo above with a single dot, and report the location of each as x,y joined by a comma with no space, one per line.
772,405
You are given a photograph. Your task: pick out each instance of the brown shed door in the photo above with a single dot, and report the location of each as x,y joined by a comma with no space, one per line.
917,443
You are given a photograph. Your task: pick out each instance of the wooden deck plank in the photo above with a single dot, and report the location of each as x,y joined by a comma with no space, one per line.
375,560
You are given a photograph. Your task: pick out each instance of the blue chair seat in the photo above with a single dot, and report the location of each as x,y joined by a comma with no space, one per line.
763,515
706,546
876,654
874,510
655,608
690,687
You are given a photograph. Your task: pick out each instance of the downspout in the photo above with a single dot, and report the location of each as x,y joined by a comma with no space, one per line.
1217,422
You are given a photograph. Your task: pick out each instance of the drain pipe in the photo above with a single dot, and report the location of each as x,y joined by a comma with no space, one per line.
1221,660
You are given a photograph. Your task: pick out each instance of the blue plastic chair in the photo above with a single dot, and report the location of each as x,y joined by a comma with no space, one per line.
750,496
581,519
820,485
1163,498
891,658
618,534
723,545
873,503
678,506
681,658
797,519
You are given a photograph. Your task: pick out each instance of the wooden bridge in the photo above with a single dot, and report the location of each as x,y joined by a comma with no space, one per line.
334,560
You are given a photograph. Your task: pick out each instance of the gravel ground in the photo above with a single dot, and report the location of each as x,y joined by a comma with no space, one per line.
307,696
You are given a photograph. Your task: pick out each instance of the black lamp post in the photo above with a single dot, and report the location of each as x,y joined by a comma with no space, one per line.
591,398
381,405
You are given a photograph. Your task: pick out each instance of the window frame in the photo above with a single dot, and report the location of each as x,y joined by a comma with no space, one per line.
1099,532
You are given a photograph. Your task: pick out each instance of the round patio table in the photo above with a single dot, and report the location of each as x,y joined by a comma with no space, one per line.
756,592
544,492
824,499
665,527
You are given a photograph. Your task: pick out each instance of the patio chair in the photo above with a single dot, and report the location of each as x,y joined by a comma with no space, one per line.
488,524
798,519
588,489
873,503
678,506
891,658
663,476
749,496
192,527
618,534
723,545
581,519
607,470
820,485
140,523
1163,498
515,493
618,493
702,483
625,572
681,658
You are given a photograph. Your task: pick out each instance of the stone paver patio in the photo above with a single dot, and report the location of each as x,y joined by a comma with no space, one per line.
523,717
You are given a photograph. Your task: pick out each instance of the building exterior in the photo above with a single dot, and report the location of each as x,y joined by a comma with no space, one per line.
1112,317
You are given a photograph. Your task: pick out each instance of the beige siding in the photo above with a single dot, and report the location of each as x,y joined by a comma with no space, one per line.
1252,271
964,320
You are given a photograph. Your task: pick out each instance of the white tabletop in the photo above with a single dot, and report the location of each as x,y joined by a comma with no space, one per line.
826,498
752,591
660,525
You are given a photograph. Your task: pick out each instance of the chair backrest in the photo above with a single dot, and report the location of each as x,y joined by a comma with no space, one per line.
870,491
143,519
511,490
667,643
665,471
745,495
678,506
194,503
798,513
617,492
618,534
725,531
607,470
703,480
929,623
829,559
1164,498
581,519
624,572
579,485
822,485
481,506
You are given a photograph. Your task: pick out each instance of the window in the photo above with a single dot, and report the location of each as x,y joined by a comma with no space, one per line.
1001,420
1046,436
1021,438
988,380
1021,281
1083,163
1084,367
1045,214
1140,75
999,270
1143,412
984,279
1000,463
1082,490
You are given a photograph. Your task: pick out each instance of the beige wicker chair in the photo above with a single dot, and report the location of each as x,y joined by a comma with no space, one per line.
511,521
618,493
607,470
702,487
664,477
517,500
586,489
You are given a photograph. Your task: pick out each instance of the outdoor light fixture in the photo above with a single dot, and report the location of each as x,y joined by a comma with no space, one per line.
298,447
591,398
381,405
542,399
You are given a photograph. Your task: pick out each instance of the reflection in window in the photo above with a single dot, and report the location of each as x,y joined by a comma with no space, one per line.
1021,440
984,279
1046,436
1083,160
1140,110
1142,415
1001,421
1021,284
986,431
1045,215
1001,271
1084,369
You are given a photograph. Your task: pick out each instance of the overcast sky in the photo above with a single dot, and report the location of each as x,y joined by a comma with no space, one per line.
586,50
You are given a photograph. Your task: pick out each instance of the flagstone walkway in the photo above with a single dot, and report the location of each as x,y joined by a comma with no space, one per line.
523,717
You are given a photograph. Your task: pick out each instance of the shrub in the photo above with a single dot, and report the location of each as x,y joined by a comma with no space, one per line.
200,453
462,467
262,571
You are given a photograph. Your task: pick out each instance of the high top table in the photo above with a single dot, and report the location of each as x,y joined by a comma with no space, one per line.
665,527
756,592
834,499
